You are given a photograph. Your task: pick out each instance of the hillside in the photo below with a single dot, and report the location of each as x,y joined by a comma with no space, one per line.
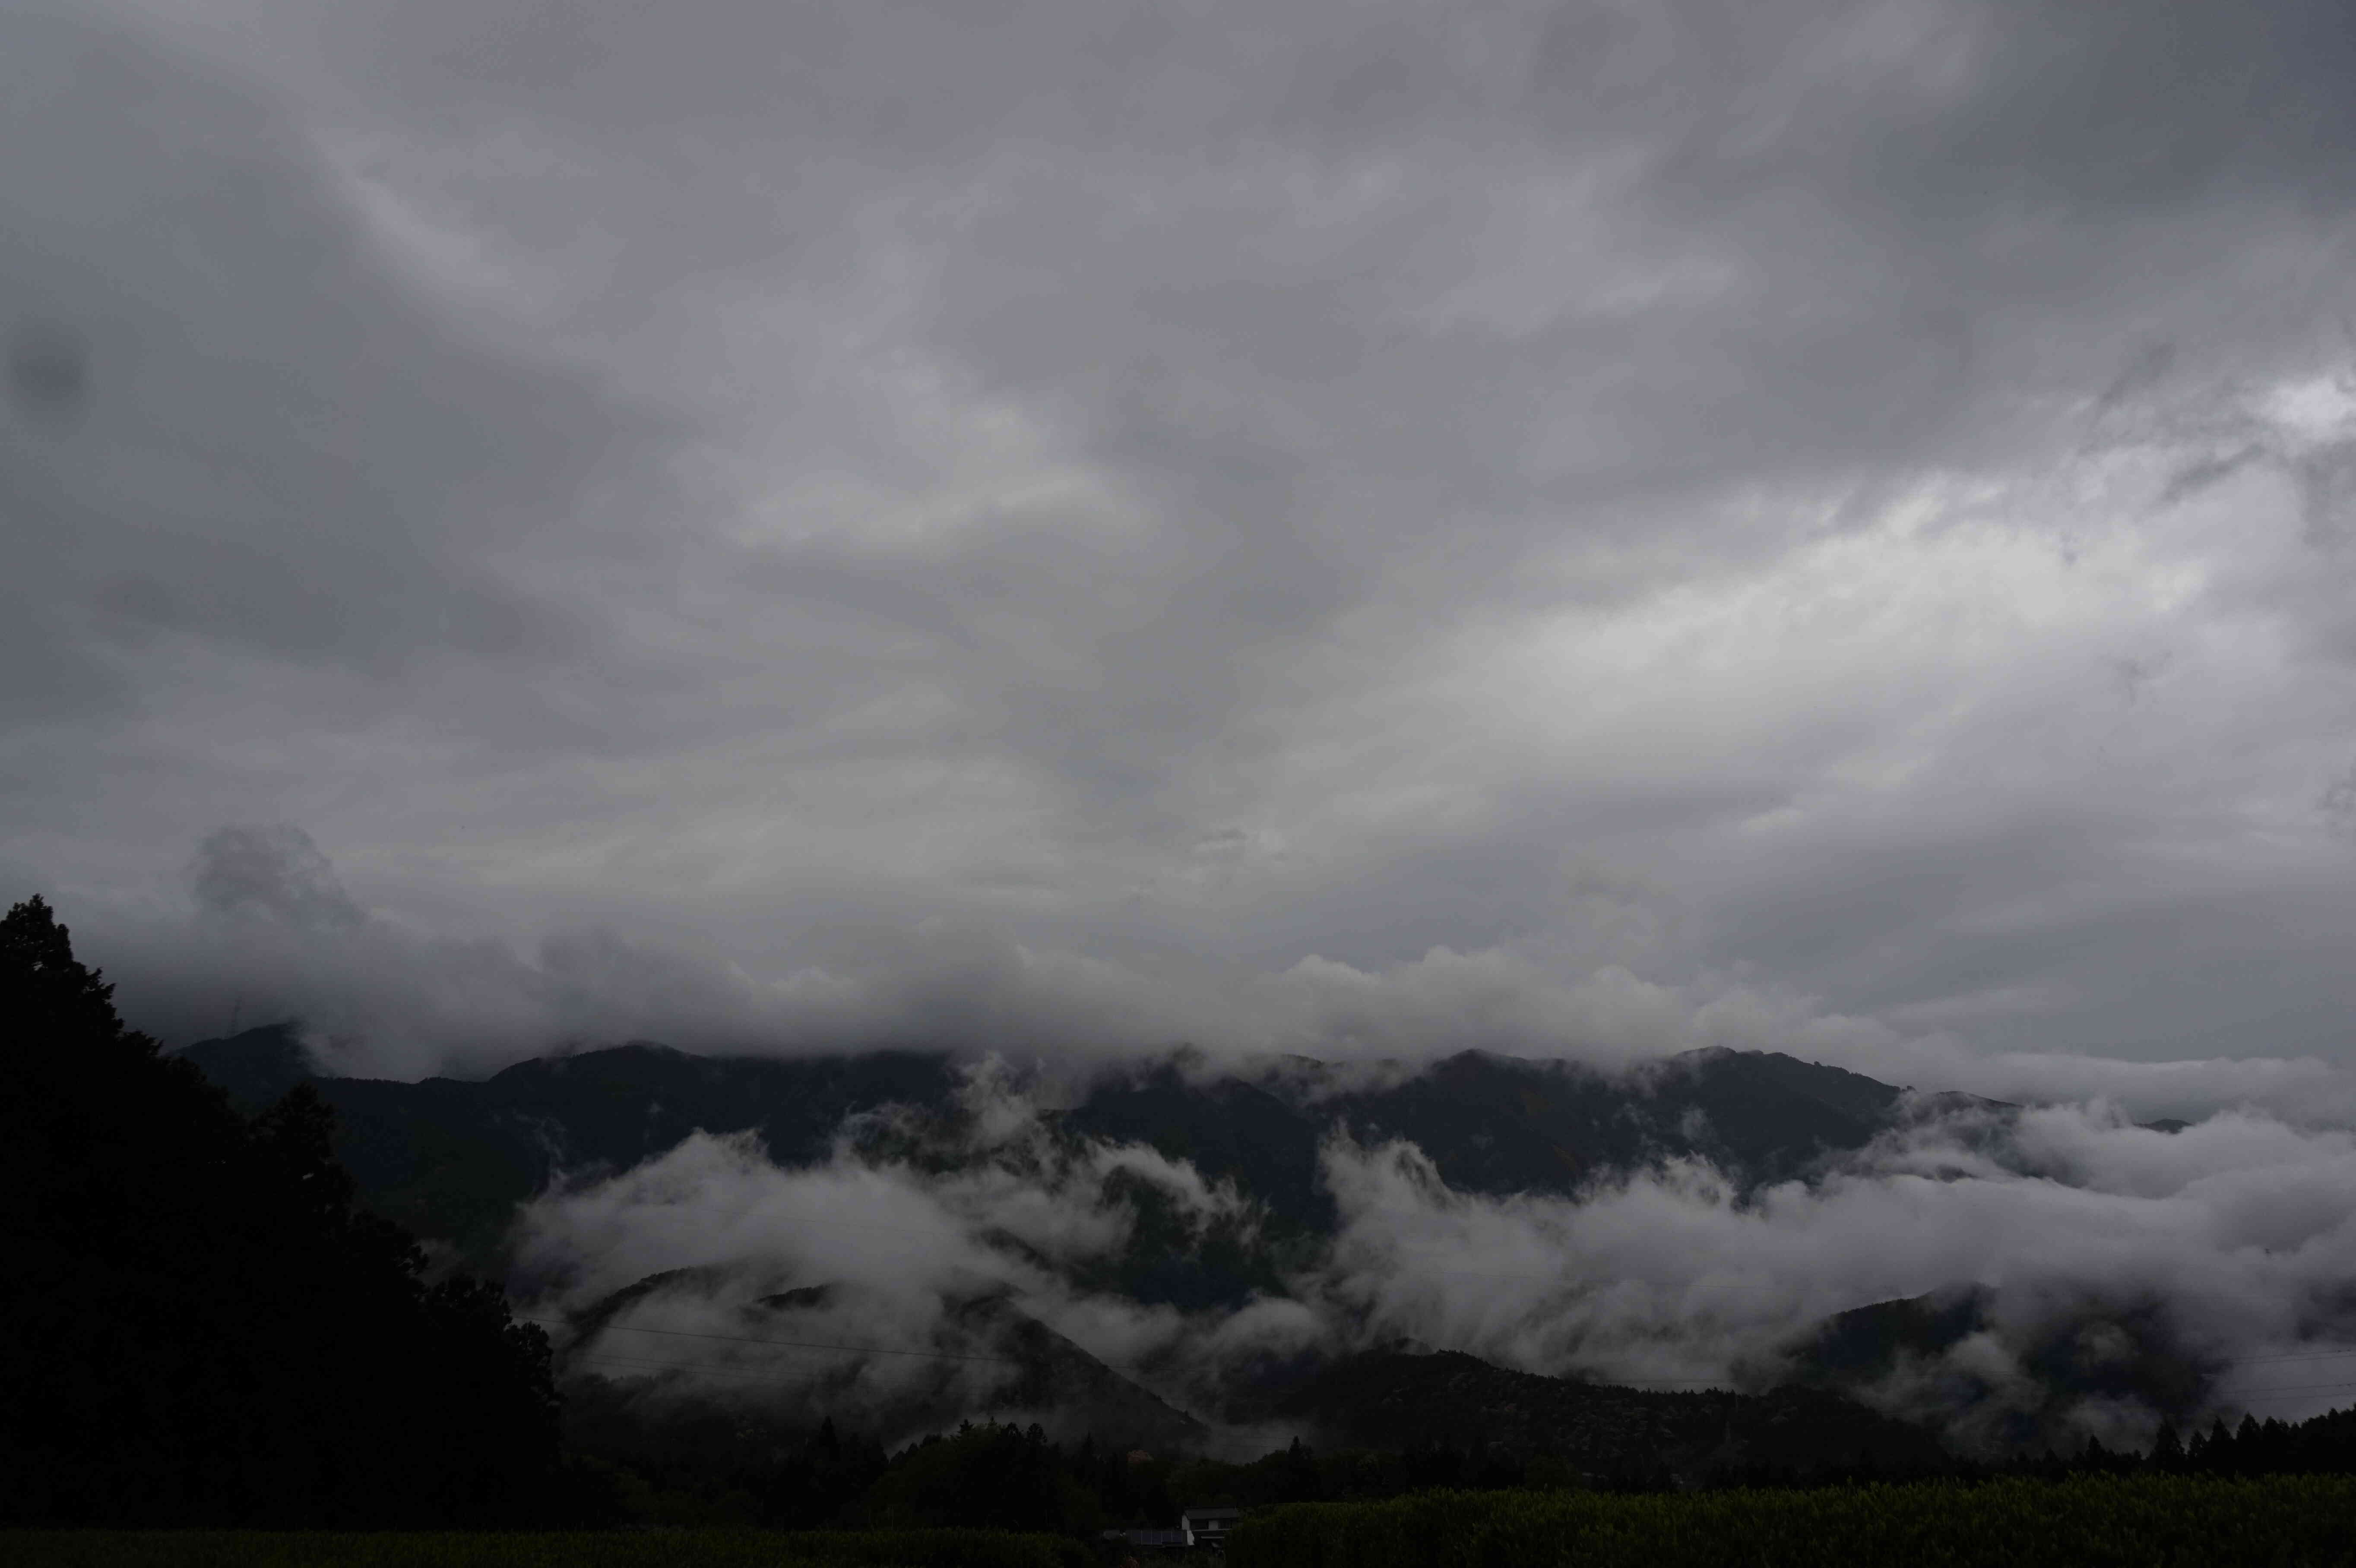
2098,1351
453,1159
987,1359
1398,1397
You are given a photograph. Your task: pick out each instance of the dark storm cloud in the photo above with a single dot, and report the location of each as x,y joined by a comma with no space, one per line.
275,872
1563,518
240,456
234,437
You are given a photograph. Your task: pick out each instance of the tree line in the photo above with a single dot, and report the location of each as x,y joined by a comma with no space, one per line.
1011,1477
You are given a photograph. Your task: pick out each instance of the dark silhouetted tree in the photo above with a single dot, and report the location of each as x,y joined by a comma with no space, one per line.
989,1476
197,1321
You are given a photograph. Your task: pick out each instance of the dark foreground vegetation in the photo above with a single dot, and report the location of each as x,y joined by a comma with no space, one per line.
2083,1521
1006,1477
552,1549
199,1324
2150,1522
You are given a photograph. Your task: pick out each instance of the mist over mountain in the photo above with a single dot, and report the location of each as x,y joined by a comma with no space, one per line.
1184,1252
439,1153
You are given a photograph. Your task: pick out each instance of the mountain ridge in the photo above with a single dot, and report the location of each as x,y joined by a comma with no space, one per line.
454,1160
457,1160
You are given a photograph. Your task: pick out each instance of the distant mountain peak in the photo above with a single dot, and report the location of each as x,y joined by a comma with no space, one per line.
256,1065
457,1160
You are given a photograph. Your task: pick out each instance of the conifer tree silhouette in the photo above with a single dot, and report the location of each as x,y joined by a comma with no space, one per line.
198,1323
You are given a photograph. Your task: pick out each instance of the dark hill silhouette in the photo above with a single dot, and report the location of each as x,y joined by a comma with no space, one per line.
256,1067
1230,1127
2085,1351
994,1360
1399,1397
1054,1374
1498,1124
454,1160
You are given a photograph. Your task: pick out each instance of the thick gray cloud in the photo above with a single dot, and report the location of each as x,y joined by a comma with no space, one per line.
1595,527
274,872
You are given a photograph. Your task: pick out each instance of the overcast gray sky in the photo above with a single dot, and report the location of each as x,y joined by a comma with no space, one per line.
1353,528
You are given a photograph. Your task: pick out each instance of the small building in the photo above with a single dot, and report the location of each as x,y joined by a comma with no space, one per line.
1147,1538
1208,1526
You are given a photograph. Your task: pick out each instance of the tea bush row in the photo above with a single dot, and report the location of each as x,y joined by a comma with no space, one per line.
527,1549
2150,1521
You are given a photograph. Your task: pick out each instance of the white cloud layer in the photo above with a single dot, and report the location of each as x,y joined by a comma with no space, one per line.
2237,1229
2230,1240
274,928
